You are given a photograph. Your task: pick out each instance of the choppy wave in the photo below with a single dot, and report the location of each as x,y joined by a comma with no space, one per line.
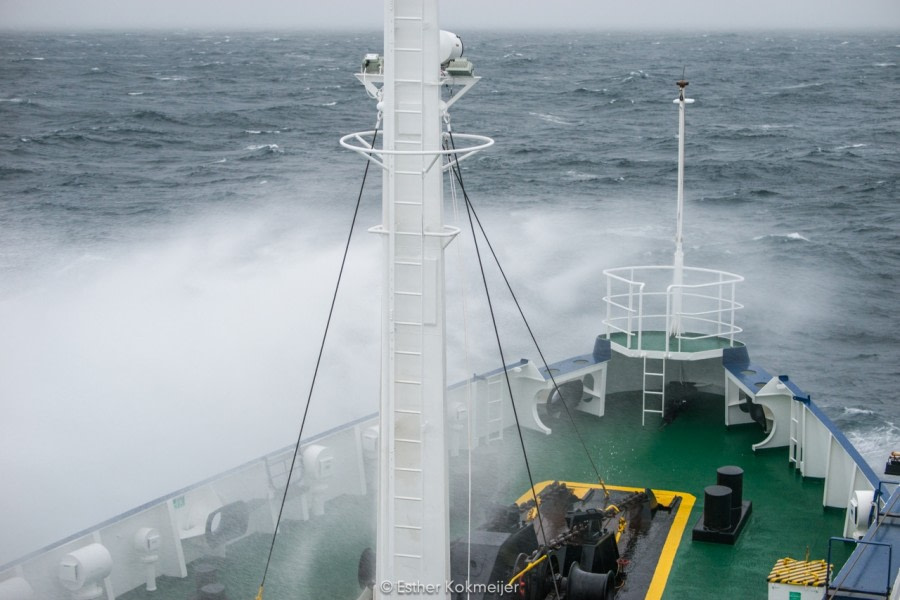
791,175
876,443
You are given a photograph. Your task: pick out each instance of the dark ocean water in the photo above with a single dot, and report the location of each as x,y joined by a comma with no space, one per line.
172,208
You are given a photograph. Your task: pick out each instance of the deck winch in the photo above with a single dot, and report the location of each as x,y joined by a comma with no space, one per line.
603,542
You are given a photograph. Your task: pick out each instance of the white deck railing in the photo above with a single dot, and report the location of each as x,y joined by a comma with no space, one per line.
641,299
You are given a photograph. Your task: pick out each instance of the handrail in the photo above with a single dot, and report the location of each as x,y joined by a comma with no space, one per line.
364,147
887,588
705,307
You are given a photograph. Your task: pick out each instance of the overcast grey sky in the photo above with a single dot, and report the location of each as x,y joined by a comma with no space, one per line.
458,14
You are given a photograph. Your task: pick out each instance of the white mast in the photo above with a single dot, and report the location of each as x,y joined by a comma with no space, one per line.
676,327
413,539
412,553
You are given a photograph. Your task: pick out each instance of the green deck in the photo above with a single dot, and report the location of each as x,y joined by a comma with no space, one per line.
318,559
656,341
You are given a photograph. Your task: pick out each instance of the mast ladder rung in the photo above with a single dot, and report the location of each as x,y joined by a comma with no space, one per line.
408,381
408,263
408,469
407,411
408,49
407,293
651,410
410,498
399,18
405,203
408,352
408,323
414,173
650,392
407,441
412,81
411,527
401,555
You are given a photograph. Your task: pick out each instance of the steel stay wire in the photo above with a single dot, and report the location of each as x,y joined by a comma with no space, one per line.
487,294
528,326
312,384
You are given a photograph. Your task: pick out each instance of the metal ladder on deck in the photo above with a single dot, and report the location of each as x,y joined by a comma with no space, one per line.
494,407
654,386
795,454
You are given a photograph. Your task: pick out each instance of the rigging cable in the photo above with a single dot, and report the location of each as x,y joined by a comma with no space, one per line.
469,439
454,165
537,346
312,384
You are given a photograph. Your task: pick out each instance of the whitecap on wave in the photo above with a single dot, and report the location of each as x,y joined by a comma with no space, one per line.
579,176
635,75
783,236
267,147
804,85
550,118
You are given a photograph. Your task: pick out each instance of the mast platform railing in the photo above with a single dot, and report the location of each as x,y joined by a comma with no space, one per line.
360,142
643,299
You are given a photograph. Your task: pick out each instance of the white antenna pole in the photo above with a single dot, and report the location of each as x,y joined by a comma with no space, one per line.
676,326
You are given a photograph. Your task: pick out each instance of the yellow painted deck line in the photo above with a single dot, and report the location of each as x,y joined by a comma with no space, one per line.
673,539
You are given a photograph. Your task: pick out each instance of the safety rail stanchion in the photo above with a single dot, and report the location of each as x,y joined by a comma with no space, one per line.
881,497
